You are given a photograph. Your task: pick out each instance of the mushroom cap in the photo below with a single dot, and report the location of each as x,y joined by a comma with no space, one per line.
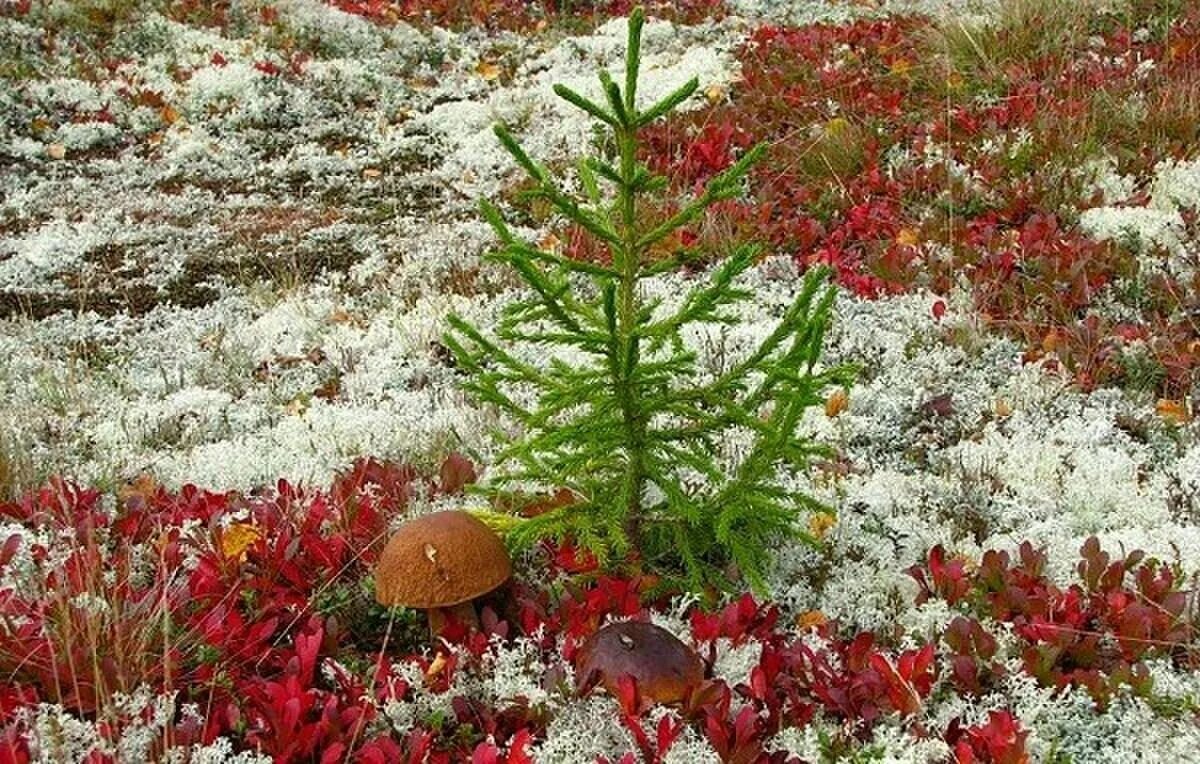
663,667
440,560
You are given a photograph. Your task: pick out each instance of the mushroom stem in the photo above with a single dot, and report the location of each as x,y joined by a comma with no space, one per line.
463,612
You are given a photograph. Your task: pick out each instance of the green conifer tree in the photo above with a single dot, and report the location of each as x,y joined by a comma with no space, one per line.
620,429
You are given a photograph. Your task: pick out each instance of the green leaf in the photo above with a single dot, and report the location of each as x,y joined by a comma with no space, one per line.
493,217
577,214
615,102
579,266
609,172
633,58
591,107
510,144
669,103
587,177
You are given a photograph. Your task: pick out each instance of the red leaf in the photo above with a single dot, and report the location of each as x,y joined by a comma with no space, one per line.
628,696
11,545
457,471
517,753
485,753
668,730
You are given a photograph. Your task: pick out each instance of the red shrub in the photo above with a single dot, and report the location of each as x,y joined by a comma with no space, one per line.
1134,603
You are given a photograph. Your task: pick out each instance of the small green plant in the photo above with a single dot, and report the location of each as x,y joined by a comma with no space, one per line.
634,427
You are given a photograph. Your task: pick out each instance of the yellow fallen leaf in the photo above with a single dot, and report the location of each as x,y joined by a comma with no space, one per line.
488,70
1173,411
56,151
500,522
142,488
435,668
1051,341
820,523
161,541
715,94
1001,407
836,403
811,619
908,237
236,539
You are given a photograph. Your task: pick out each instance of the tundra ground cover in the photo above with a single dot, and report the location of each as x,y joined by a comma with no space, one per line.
918,154
231,234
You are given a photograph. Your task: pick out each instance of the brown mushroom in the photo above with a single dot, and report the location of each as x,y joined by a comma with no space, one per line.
440,562
663,667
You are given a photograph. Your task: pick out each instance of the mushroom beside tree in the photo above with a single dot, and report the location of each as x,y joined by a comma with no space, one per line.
663,667
440,562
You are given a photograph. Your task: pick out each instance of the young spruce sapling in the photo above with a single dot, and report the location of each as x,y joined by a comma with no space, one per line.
633,420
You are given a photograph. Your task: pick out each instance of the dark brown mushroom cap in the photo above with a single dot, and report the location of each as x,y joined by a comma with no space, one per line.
663,667
440,560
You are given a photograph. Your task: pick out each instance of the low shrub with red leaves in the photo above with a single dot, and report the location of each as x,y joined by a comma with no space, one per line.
1094,634
251,607
904,171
